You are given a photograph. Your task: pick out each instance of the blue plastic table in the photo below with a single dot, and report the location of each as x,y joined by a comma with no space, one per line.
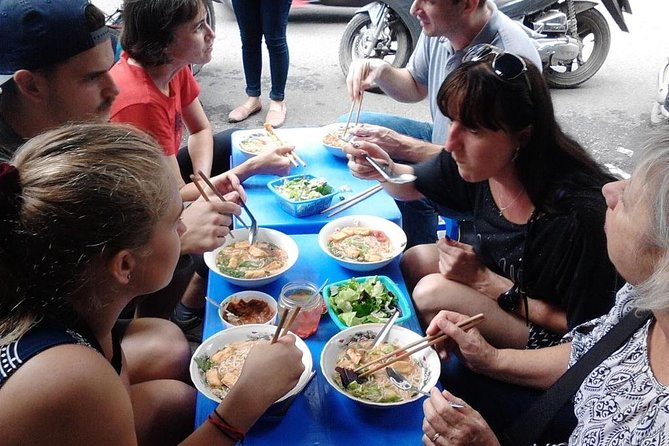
319,415
320,163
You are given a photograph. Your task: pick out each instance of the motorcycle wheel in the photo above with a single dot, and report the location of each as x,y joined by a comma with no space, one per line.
396,51
594,33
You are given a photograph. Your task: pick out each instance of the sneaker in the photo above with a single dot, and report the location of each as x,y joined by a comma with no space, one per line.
186,318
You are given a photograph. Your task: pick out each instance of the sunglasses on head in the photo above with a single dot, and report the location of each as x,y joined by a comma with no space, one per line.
508,66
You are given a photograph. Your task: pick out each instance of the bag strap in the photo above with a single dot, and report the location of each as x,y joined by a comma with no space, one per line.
529,427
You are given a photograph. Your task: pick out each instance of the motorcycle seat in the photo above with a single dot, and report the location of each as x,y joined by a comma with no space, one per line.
502,3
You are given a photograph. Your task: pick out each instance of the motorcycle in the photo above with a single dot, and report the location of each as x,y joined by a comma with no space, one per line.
383,30
572,37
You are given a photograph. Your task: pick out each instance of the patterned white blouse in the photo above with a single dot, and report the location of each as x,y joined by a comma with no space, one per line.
620,402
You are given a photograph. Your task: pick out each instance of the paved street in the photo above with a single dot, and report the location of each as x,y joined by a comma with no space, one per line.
609,114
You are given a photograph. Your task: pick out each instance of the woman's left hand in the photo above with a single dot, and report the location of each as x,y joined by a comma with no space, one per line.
447,425
459,262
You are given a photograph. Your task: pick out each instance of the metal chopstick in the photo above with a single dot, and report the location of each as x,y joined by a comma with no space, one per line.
347,204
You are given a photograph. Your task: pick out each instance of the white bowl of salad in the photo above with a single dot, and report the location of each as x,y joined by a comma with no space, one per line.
302,195
351,347
362,242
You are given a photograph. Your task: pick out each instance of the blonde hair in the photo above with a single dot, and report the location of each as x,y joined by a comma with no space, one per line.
86,192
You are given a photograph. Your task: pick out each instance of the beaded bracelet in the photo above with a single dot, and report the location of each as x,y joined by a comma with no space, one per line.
223,426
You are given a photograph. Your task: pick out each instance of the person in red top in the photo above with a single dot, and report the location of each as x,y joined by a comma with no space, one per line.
159,94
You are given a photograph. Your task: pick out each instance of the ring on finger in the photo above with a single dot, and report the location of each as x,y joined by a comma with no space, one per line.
435,437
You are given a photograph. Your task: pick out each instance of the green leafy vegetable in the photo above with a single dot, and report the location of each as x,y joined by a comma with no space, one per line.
204,363
304,188
362,302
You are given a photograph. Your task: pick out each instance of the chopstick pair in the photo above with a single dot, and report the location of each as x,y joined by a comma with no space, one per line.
414,347
355,199
292,156
285,322
195,179
350,115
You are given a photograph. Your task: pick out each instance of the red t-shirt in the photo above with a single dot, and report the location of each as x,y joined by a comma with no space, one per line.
142,104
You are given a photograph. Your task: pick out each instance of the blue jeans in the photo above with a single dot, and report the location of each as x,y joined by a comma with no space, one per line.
420,217
255,19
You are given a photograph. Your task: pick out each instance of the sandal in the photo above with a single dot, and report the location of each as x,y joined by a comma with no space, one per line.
242,112
276,118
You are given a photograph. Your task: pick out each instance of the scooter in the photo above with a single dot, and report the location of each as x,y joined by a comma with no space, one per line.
659,112
572,37
381,29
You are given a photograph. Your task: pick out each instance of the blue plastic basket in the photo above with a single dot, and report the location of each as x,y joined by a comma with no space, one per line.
401,300
300,208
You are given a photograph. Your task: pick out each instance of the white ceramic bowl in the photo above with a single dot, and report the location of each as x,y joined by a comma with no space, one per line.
396,235
427,358
280,239
247,296
244,333
335,150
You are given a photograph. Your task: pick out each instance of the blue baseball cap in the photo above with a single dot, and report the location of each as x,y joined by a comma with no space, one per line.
40,33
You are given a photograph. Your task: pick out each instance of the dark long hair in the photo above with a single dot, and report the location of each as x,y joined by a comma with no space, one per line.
148,27
550,162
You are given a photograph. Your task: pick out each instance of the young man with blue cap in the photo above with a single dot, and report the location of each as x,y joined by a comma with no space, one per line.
54,67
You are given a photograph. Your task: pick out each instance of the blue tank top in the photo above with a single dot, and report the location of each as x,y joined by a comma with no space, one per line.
44,335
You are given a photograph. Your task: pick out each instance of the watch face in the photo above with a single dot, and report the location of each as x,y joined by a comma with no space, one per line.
509,300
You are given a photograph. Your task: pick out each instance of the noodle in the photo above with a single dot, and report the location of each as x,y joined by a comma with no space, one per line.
242,260
224,367
360,244
377,387
332,138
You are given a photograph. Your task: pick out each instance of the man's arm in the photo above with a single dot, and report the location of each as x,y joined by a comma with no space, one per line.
398,83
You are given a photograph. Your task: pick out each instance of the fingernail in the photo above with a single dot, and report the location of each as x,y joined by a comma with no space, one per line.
356,145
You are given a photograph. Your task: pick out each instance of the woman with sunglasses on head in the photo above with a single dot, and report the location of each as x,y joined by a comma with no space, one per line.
90,218
623,398
533,257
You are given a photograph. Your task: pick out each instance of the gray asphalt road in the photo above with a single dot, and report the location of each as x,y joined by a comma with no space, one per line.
609,114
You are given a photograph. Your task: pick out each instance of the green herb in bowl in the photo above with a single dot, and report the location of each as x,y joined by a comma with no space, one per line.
365,300
304,188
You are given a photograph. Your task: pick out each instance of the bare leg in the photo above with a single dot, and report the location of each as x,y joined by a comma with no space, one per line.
434,293
193,297
417,262
155,349
164,411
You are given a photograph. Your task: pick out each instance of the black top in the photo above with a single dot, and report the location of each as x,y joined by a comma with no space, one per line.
45,334
559,257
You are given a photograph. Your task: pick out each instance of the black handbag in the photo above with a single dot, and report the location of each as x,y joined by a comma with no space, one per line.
527,428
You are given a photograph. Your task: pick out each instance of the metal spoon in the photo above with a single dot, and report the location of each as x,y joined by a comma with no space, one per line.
401,382
388,174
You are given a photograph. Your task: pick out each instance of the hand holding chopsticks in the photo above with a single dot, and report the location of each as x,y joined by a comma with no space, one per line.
286,320
410,349
292,156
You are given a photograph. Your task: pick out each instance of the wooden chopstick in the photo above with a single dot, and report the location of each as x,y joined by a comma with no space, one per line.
292,156
196,182
342,206
219,195
292,318
282,321
407,350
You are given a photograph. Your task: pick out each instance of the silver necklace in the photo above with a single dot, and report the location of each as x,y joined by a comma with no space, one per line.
504,208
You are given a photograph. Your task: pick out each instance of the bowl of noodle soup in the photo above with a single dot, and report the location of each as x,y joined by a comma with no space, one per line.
362,242
217,362
272,254
331,139
351,346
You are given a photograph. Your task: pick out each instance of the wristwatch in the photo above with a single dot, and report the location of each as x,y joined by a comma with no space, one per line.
510,300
